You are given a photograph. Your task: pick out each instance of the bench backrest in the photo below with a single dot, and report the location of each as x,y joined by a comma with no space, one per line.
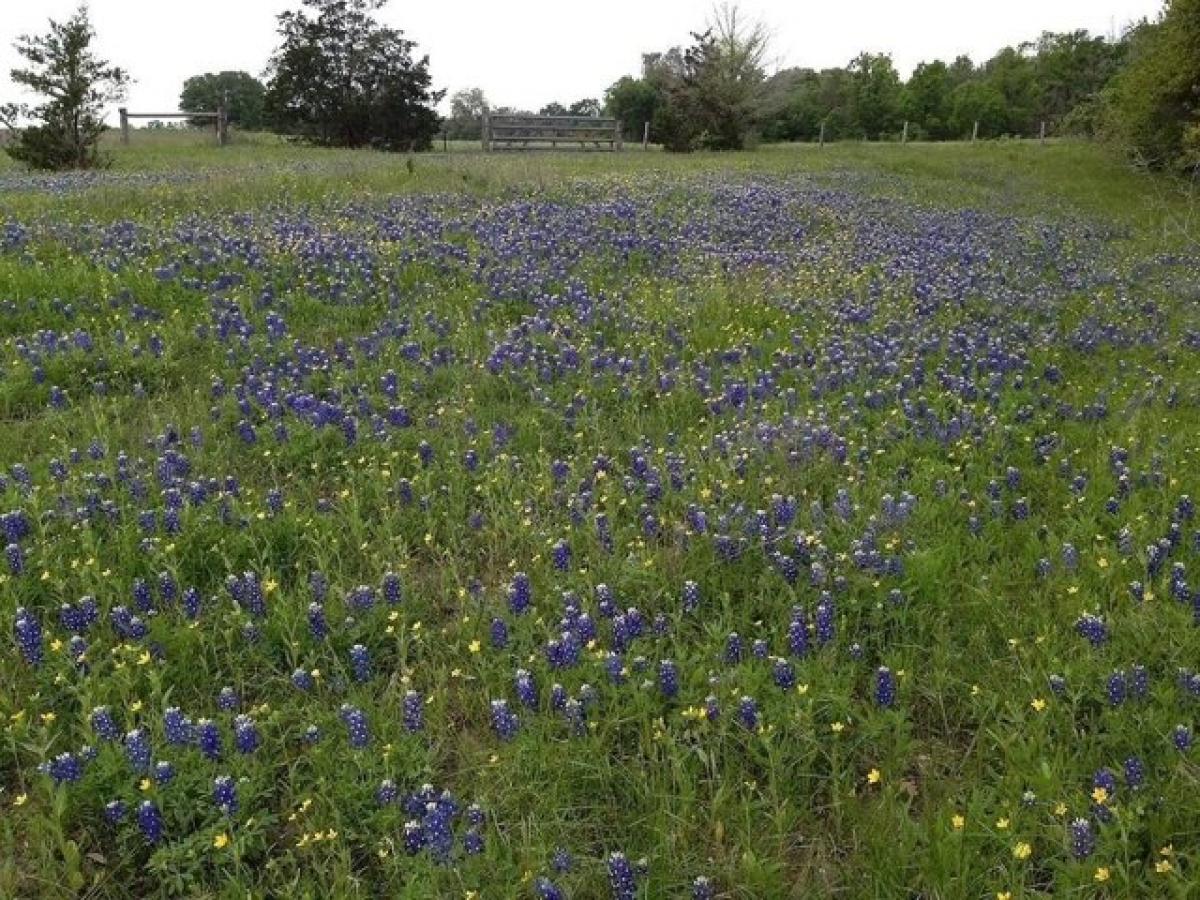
526,131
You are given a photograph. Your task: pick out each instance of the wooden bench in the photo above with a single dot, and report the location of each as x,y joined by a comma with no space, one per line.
547,132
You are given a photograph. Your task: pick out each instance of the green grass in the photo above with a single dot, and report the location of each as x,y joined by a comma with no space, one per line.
1089,299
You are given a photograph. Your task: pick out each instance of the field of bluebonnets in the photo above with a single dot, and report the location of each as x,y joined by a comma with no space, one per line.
785,525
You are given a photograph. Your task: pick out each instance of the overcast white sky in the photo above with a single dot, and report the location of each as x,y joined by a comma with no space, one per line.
527,52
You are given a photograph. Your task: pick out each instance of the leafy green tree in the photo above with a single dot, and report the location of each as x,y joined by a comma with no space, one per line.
1155,101
633,101
77,85
876,94
927,100
588,106
466,115
1011,74
978,101
553,108
340,78
710,90
241,93
1072,69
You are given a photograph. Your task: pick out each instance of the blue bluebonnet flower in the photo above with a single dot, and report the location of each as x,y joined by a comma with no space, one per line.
691,596
1139,682
668,678
77,647
473,842
499,633
103,724
526,688
825,620
302,679
414,711
360,663
224,794
1083,839
561,862
208,739
168,588
414,837
245,734
1135,772
606,601
15,557
177,727
115,811
79,617
576,716
747,714
1070,557
520,593
164,772
885,687
1116,688
1104,778
561,555
361,598
392,589
65,768
733,648
386,793
504,721
28,633
318,627
1058,685
712,708
547,889
227,699
150,821
797,635
137,749
558,697
438,832
312,734
1181,737
622,878
318,584
702,889
604,532
1093,628
191,603
784,674
356,726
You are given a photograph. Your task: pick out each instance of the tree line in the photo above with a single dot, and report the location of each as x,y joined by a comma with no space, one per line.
339,77
715,93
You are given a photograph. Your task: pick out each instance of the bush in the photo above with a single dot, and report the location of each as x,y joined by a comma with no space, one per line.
1154,104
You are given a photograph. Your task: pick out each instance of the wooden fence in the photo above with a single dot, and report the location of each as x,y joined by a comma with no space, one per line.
220,120
505,132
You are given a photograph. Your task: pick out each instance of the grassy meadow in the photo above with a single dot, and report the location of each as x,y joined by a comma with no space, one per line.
795,523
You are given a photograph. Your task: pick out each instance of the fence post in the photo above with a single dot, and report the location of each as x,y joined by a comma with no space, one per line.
975,132
821,140
1042,135
486,132
646,136
904,136
222,126
124,125
618,138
